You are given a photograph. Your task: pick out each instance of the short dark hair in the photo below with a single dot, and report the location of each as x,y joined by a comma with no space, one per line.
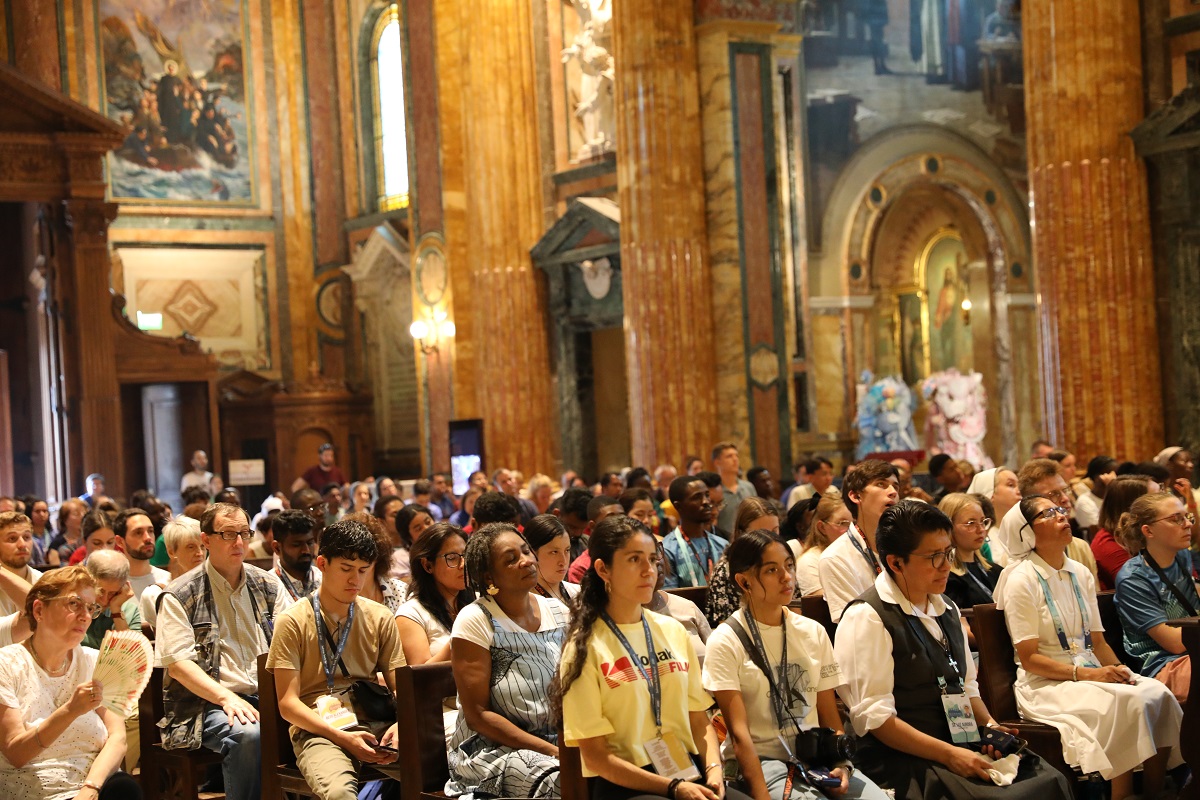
543,529
598,504
495,507
381,505
575,501
1153,470
196,494
348,539
292,522
721,447
863,476
422,487
711,479
1100,465
938,463
814,464
631,496
902,527
122,518
303,498
607,477
753,473
636,474
678,490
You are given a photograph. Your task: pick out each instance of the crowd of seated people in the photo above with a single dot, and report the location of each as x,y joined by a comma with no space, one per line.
652,618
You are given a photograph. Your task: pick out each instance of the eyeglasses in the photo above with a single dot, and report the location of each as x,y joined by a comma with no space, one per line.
1179,519
1049,513
75,604
453,560
319,508
229,536
1058,494
843,524
939,559
977,524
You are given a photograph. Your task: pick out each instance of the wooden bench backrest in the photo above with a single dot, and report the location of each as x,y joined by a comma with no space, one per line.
1114,633
816,609
420,691
997,667
697,594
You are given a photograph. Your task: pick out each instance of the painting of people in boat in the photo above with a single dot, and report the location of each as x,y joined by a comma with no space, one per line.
175,77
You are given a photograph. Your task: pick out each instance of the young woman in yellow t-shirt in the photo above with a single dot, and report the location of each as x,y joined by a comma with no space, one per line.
629,682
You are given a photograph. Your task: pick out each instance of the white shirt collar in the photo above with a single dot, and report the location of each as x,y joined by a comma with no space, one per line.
1044,569
218,580
889,592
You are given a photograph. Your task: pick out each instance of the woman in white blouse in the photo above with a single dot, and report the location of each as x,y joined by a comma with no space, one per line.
831,520
903,654
1111,720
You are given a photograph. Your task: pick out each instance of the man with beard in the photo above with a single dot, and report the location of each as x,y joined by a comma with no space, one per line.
136,534
295,542
16,548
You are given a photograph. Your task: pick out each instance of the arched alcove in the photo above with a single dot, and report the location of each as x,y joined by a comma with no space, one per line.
902,189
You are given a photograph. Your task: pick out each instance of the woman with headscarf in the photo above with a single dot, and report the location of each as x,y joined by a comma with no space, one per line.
1111,721
1000,486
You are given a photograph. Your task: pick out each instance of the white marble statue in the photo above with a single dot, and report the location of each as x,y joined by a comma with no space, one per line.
596,80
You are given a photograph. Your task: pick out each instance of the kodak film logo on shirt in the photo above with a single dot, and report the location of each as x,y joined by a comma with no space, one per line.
623,670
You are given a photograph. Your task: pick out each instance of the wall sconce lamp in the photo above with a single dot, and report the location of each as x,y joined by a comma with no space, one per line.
966,310
429,331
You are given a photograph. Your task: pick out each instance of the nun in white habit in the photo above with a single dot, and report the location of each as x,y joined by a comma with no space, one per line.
1111,720
1000,486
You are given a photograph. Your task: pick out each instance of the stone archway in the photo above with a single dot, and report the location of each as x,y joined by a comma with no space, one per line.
900,175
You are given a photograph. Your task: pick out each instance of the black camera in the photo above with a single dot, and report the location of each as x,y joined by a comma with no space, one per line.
822,747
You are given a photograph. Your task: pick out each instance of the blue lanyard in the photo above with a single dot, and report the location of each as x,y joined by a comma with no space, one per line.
286,580
779,701
866,554
652,678
1058,625
329,662
696,555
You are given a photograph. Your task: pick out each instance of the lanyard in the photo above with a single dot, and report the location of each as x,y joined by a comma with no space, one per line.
696,555
1058,625
1170,584
778,701
866,554
286,580
652,678
943,647
328,662
970,574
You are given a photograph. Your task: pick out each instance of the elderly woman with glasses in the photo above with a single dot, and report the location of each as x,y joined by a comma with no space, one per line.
1110,719
1155,586
56,742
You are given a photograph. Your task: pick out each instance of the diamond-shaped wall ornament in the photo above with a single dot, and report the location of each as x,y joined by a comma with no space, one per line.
764,367
190,307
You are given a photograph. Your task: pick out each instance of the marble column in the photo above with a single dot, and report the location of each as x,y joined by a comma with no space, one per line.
1091,229
505,206
669,341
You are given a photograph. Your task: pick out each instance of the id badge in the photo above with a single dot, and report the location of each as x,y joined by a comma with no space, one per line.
334,713
670,759
1085,658
961,718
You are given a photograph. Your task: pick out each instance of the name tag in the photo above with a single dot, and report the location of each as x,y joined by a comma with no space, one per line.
670,759
334,713
961,718
1085,658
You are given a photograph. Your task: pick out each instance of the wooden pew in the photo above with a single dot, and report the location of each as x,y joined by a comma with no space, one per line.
420,692
998,675
1114,633
183,770
697,594
816,609
1189,731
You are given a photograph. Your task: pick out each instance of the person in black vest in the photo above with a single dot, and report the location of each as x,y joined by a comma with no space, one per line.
910,681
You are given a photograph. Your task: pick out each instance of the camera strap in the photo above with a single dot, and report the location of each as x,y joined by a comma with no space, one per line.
758,655
1170,584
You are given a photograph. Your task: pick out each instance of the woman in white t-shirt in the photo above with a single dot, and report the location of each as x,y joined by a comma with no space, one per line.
629,683
765,715
505,649
437,593
56,743
830,520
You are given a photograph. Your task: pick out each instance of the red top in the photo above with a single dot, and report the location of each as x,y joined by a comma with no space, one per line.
579,568
1110,557
318,479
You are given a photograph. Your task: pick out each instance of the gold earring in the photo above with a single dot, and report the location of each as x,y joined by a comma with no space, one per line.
492,590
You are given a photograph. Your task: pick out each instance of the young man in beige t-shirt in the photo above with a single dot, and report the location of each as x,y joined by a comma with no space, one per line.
330,734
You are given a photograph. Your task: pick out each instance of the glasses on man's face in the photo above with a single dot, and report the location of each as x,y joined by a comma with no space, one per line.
1059,495
319,509
76,604
229,536
1182,519
453,560
939,559
972,525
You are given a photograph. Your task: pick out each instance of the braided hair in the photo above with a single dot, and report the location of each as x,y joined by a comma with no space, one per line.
607,538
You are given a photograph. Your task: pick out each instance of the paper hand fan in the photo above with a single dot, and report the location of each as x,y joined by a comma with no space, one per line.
123,668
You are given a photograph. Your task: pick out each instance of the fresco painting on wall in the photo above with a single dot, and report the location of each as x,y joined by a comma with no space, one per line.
877,64
944,264
175,77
